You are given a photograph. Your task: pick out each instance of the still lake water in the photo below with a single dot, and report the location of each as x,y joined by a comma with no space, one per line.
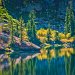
27,63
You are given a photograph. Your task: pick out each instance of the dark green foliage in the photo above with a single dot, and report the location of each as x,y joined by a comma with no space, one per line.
11,28
57,35
48,33
21,22
12,40
31,26
69,20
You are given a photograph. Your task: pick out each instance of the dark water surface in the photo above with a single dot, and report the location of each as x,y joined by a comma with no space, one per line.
21,63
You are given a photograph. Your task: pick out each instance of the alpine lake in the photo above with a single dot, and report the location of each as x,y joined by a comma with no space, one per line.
55,61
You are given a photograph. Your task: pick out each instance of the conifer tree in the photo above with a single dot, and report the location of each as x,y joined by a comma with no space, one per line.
48,33
69,20
31,26
21,22
11,29
72,19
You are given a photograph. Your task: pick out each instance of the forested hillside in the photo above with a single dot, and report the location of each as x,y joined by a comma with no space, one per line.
53,10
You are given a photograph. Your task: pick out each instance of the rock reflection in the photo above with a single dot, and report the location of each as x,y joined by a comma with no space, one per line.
54,62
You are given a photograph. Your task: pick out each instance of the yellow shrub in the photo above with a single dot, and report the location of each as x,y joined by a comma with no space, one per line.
43,39
61,35
42,32
53,35
68,35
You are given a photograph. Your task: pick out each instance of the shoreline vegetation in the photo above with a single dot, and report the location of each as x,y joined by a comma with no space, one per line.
15,34
25,40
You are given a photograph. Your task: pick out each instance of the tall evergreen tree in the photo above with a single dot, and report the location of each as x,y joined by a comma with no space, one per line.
17,28
12,40
21,28
31,26
72,19
11,24
69,20
11,28
48,33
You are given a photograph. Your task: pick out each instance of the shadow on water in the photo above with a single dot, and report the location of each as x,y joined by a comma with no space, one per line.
21,63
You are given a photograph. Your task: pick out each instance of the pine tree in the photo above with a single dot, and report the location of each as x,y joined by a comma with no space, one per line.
69,20
11,30
48,33
21,22
31,26
56,35
72,19
17,29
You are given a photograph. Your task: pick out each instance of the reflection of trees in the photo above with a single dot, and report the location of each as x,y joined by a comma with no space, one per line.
49,57
23,67
30,66
54,54
67,65
12,66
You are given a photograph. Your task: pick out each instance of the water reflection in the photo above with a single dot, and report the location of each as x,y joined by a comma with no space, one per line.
18,63
53,53
47,62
